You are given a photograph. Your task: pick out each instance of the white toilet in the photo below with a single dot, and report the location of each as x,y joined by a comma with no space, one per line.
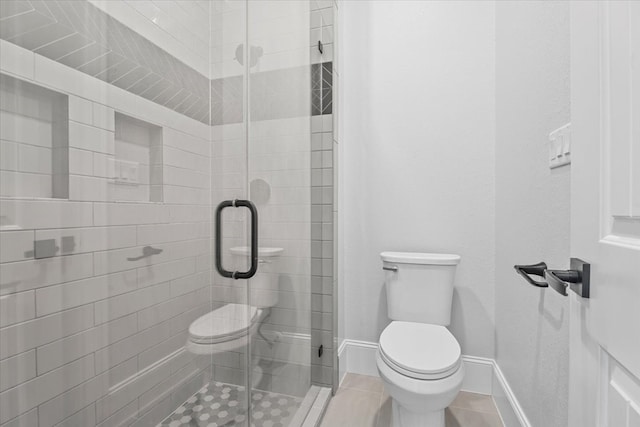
418,359
231,326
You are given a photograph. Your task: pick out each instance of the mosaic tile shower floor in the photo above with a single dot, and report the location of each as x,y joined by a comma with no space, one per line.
219,404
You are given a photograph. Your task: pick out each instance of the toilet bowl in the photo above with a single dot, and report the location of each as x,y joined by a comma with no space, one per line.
231,326
418,359
226,328
421,368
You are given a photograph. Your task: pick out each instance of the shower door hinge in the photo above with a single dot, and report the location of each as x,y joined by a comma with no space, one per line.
320,351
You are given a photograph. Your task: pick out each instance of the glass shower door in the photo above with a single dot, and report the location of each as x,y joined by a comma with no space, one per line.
262,154
279,176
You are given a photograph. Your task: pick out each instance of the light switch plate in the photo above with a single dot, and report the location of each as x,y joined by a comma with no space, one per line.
560,147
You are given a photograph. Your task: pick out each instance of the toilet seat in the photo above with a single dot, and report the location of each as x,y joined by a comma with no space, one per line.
227,323
420,350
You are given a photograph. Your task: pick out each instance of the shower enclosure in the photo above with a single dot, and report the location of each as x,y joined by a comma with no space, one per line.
124,125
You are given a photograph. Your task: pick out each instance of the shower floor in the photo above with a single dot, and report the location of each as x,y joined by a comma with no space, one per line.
218,404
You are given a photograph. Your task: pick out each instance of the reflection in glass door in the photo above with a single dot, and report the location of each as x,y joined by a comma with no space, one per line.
265,158
279,176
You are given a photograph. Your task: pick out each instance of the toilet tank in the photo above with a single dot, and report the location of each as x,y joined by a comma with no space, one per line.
419,286
264,285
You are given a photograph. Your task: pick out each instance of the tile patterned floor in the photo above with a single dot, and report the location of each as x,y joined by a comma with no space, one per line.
362,401
219,404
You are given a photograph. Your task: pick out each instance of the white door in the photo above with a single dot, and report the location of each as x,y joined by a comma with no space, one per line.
605,220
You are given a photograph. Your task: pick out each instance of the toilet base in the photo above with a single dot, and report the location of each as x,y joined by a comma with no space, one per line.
402,417
416,402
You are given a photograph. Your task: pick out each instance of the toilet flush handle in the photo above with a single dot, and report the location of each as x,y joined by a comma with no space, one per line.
393,268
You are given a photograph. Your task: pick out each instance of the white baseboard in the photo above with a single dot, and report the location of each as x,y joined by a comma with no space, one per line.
361,357
478,374
482,375
507,403
343,362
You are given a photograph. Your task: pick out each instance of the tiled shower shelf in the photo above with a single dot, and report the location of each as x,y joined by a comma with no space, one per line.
48,152
136,166
34,140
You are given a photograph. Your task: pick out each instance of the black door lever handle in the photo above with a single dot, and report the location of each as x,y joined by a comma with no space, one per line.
533,269
560,280
577,278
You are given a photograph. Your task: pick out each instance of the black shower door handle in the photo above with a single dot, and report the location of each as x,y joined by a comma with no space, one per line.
254,239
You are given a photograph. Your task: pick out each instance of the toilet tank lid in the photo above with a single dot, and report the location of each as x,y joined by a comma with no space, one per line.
420,258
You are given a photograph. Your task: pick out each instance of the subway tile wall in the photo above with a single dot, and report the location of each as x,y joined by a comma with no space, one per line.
88,337
93,318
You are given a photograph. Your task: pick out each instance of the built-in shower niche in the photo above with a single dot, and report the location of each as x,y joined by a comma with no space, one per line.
137,162
34,140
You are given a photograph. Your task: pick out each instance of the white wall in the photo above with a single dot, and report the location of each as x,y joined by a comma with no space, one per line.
418,163
447,111
532,203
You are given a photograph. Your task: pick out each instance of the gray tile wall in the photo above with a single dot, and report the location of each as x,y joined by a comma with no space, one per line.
323,184
83,37
271,96
110,51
